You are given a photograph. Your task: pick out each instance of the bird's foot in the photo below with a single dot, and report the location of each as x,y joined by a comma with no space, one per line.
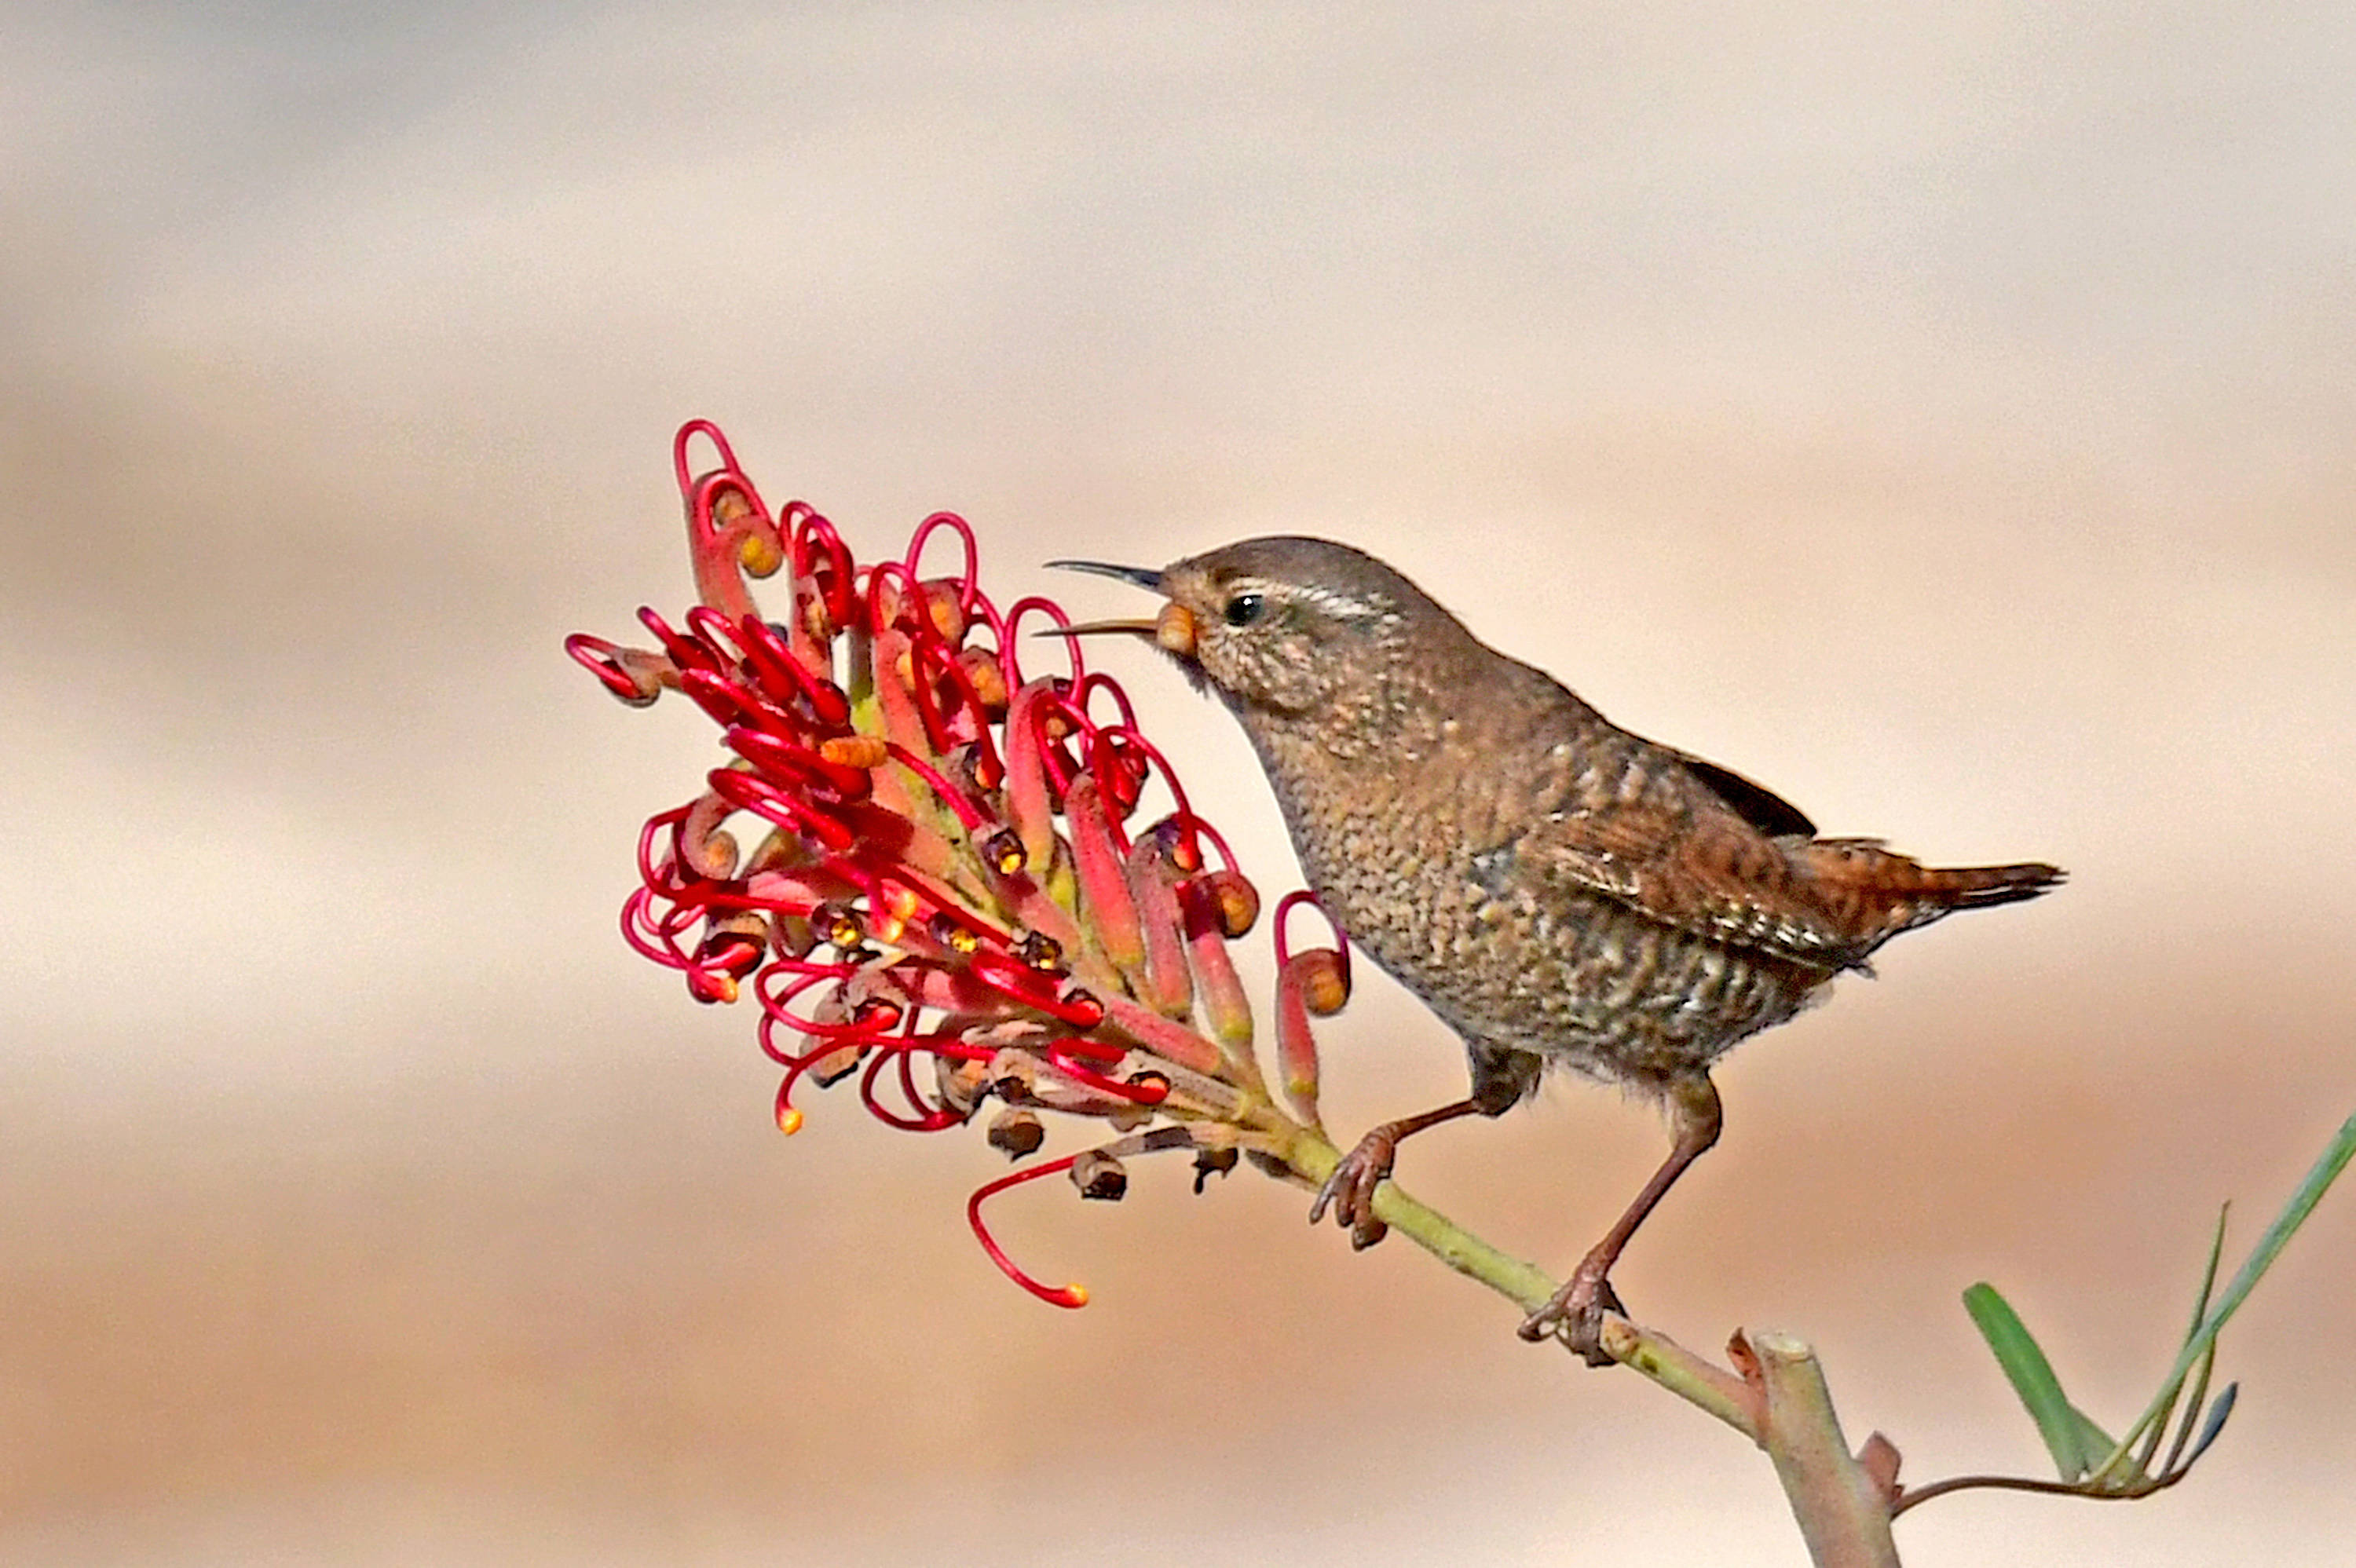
1350,1191
1575,1316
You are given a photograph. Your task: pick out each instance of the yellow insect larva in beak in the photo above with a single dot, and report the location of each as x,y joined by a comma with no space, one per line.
1173,629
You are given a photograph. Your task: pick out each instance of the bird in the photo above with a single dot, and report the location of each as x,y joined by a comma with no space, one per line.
1561,892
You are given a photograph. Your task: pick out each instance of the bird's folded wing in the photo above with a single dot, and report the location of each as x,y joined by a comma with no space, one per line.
1703,870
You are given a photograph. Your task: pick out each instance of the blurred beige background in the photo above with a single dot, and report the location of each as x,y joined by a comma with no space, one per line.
1942,416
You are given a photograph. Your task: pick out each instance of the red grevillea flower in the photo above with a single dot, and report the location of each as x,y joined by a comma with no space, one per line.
954,891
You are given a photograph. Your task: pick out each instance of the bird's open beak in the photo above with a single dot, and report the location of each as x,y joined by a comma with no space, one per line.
1172,630
1141,576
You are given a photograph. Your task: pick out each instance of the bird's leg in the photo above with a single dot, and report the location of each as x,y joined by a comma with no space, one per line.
1351,1189
1577,1311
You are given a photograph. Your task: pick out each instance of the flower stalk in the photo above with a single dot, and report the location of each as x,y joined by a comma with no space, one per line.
967,880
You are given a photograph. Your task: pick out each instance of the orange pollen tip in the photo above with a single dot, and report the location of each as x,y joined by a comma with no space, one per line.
759,556
711,985
1325,990
1005,851
789,1121
943,608
1238,906
853,750
989,680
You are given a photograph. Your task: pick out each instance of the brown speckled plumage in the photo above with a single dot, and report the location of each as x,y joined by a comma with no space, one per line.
1560,892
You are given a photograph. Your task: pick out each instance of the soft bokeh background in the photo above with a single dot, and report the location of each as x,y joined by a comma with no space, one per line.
1941,415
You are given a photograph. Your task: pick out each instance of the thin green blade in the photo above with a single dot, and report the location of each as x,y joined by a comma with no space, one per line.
2319,1177
2209,1275
2074,1441
2191,1410
2200,1379
2294,1214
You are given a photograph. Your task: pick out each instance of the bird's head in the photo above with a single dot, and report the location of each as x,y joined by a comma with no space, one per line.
1279,627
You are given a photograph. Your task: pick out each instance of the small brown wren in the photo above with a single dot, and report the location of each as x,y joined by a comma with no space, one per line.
1561,892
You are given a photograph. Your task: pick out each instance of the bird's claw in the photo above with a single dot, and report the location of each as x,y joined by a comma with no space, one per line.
1575,1316
1350,1191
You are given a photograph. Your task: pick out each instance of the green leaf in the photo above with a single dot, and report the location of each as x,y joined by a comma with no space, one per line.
2216,1415
2319,1177
2191,1409
2208,1362
2209,1275
2074,1440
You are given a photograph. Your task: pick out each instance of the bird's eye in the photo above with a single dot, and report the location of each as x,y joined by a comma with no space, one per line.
1244,609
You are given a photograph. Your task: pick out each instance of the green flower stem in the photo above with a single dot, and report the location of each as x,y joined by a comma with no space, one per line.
1526,1284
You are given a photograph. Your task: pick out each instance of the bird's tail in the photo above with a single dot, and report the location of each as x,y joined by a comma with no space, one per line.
1879,893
